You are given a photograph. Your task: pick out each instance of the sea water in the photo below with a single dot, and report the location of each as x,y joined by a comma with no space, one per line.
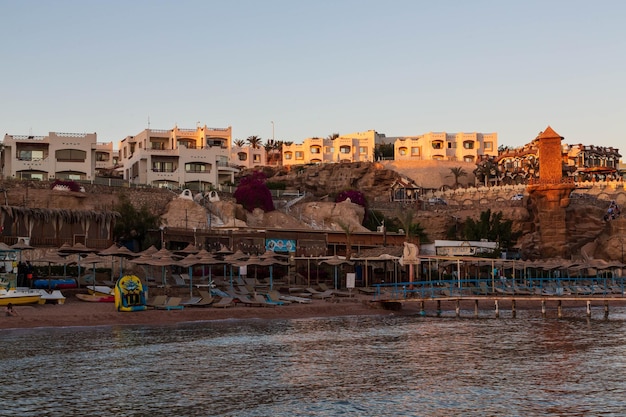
356,366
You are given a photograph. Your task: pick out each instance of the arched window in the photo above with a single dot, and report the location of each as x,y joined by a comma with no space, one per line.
242,156
345,149
402,151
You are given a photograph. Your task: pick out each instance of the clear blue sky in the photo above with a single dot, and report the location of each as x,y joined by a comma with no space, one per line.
316,67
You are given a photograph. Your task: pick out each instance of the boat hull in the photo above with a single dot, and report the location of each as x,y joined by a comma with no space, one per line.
96,298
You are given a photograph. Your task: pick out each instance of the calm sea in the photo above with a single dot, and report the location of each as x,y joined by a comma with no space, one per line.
356,366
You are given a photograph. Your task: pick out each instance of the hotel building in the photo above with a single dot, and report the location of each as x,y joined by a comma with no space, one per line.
192,158
442,146
354,147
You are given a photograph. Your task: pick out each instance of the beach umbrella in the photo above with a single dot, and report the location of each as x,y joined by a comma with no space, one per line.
189,262
235,259
207,258
78,249
151,250
271,258
21,246
121,252
53,258
189,249
336,261
93,259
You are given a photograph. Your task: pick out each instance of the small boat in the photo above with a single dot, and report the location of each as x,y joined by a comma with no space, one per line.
20,296
96,298
100,290
52,297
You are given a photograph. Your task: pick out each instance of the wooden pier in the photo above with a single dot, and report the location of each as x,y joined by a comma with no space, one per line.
511,301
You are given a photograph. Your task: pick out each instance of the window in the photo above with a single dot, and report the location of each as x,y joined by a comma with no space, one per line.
30,155
468,158
488,146
415,151
437,144
70,155
163,167
468,144
197,167
328,149
257,158
299,155
402,150
102,156
451,145
344,149
316,149
288,155
363,150
242,156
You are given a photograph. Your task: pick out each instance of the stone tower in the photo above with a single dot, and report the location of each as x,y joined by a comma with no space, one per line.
549,197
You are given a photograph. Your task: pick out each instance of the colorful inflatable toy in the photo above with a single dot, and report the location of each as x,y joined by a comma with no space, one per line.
129,294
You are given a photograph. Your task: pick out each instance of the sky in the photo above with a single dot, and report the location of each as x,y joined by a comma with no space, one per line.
294,69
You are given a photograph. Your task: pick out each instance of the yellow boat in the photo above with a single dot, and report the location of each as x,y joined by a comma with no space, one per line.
20,296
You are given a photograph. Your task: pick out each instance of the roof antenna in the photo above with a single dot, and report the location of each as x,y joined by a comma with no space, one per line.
148,122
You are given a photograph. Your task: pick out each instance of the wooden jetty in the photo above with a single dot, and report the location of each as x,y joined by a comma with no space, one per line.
496,301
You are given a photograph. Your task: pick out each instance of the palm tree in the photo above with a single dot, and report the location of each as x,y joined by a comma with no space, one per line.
333,136
239,143
485,170
457,172
348,230
254,141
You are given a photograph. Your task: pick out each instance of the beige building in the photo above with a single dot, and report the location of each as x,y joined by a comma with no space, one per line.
107,158
354,147
192,158
248,157
64,156
466,147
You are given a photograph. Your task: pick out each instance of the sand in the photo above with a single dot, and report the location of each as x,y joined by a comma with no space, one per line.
80,313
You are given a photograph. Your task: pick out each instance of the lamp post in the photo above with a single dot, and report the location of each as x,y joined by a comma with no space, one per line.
272,131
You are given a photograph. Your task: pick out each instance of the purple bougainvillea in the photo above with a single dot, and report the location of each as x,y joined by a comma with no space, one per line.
253,193
71,185
355,196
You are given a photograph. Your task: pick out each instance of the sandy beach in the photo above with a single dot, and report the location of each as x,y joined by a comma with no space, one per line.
79,313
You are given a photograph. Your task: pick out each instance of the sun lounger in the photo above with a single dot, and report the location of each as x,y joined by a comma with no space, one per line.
224,302
157,300
367,290
261,300
320,295
180,282
274,297
295,299
191,301
172,303
245,300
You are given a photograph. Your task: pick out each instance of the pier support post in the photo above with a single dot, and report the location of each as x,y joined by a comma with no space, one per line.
458,308
513,312
543,308
497,309
438,308
588,308
475,308
559,309
606,309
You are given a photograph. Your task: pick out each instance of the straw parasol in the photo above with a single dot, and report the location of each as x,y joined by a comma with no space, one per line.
336,261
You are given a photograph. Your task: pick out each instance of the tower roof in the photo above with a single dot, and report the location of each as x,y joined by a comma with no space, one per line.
549,133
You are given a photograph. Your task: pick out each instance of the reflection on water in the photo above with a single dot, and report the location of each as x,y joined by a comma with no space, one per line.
364,366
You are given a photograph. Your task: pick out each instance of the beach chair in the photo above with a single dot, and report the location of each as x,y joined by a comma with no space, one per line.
172,303
320,295
274,297
191,301
261,300
158,300
224,302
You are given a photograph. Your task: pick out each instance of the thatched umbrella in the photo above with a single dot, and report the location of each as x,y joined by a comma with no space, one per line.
271,258
21,246
336,261
121,252
93,259
78,249
54,258
235,260
189,249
